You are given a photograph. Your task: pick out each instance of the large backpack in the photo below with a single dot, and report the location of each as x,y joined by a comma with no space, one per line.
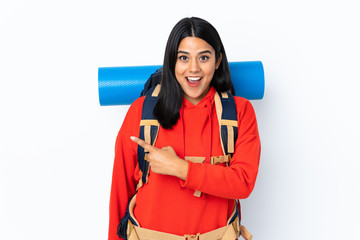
149,127
227,117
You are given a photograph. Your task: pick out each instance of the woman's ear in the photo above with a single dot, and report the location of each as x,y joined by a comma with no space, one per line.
218,61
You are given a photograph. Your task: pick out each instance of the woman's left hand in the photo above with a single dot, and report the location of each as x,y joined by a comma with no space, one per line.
164,160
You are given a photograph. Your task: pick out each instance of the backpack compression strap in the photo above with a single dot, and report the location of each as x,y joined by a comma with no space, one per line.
227,118
149,128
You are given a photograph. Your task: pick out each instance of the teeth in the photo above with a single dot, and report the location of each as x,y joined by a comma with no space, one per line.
194,78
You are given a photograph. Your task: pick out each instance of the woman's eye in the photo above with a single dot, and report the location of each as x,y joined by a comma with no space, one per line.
183,58
204,58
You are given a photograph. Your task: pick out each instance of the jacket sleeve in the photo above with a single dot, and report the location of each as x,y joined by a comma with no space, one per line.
124,178
238,180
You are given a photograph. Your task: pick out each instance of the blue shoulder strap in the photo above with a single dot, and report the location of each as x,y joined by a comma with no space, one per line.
149,128
228,121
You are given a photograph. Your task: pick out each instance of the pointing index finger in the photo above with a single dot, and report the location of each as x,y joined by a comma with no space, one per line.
147,147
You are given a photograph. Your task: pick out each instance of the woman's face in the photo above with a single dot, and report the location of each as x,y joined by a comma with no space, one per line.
195,67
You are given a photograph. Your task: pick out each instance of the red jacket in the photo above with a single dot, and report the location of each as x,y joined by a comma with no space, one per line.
167,203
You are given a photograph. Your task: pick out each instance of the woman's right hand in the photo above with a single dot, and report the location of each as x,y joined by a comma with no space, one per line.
164,160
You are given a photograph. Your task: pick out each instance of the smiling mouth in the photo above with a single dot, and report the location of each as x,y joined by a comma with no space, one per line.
193,81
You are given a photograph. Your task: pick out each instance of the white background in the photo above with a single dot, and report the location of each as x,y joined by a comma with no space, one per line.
57,143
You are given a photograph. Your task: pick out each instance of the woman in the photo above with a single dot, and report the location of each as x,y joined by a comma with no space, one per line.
186,195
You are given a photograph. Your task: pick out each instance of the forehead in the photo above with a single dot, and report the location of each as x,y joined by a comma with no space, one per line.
194,45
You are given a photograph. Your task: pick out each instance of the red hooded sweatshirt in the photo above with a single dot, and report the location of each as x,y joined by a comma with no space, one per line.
167,203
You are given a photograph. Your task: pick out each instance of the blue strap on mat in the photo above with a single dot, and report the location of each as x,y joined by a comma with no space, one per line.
122,85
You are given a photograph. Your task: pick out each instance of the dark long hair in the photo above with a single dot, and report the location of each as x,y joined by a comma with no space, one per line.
167,108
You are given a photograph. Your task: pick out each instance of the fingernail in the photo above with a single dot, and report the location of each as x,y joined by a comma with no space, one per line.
132,138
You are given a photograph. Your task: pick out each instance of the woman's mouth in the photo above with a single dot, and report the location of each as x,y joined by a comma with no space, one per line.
193,81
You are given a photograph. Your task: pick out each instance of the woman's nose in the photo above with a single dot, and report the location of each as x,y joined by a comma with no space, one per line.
194,66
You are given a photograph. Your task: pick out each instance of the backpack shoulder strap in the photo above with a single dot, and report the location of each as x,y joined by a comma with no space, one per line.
227,117
152,81
149,128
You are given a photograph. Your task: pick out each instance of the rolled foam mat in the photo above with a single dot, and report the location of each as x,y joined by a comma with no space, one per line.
122,85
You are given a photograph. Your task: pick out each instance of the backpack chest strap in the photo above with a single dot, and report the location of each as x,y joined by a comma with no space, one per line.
213,160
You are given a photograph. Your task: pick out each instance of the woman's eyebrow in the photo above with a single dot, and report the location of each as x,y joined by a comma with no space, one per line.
184,52
207,51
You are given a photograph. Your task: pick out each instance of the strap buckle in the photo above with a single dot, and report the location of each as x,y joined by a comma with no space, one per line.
192,237
220,159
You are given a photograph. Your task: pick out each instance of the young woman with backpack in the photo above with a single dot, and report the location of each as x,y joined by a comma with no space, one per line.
198,151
